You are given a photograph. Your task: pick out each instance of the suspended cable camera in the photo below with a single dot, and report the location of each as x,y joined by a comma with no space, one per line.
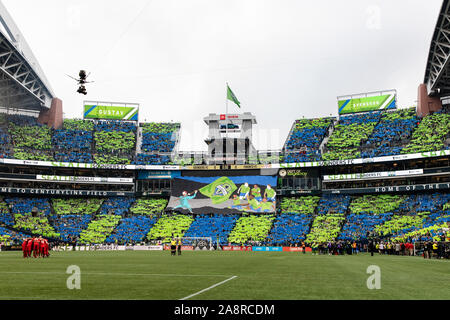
82,81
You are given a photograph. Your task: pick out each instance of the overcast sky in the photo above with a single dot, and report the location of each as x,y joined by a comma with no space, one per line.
283,59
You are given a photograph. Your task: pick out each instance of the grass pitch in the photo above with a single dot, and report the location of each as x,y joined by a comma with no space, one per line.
220,276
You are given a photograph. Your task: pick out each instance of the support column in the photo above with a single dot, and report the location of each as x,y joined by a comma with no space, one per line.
425,103
53,117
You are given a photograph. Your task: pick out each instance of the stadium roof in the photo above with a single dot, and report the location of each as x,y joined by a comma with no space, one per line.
437,74
23,84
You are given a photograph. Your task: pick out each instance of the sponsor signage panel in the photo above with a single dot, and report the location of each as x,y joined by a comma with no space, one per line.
110,248
237,248
268,249
415,187
57,192
296,249
372,175
145,175
365,103
147,248
297,165
82,179
111,111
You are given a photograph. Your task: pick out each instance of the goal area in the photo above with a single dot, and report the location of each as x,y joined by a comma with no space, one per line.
198,243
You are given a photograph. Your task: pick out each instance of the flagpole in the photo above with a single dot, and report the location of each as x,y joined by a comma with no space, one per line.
226,115
227,102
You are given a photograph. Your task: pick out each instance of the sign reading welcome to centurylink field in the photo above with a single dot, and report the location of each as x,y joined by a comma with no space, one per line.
111,111
367,102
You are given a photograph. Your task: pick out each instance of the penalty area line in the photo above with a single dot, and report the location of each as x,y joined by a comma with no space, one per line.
121,274
209,288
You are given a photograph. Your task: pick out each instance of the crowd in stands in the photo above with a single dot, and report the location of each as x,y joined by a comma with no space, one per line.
6,217
85,141
69,226
132,229
331,203
301,205
149,206
304,142
325,228
152,159
31,214
78,206
30,139
71,144
251,228
317,221
157,138
115,125
349,134
366,212
431,134
169,227
217,227
99,229
391,134
117,205
289,229
101,158
8,236
365,135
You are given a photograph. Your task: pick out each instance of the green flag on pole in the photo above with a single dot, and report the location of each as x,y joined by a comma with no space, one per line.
232,97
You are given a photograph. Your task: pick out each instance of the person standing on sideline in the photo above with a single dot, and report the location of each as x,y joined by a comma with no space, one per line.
397,249
371,248
429,249
354,250
179,246
173,247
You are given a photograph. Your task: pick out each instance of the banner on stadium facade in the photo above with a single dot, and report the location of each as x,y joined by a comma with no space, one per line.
147,248
57,192
268,249
293,173
146,175
371,175
96,110
74,179
413,187
235,194
296,165
331,163
183,248
109,247
237,248
296,249
373,101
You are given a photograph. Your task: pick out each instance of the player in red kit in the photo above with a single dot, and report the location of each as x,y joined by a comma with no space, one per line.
24,248
47,248
29,247
36,247
41,247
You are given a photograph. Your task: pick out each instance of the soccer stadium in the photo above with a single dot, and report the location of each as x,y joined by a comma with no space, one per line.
114,200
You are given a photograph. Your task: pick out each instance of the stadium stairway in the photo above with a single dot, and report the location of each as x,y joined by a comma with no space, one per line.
327,137
138,141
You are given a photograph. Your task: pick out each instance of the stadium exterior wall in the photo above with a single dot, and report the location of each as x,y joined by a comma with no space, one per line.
425,103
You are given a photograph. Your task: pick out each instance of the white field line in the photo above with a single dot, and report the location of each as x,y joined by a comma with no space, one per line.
209,288
124,274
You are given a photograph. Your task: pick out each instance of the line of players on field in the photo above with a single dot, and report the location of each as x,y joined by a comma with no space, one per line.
39,247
